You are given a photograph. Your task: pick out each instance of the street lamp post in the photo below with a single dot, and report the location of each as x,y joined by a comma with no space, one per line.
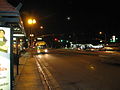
31,22
104,36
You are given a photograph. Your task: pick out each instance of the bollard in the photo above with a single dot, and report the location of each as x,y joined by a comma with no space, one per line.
17,63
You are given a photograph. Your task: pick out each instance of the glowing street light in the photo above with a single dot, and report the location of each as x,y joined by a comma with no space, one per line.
31,22
31,35
100,32
68,18
41,27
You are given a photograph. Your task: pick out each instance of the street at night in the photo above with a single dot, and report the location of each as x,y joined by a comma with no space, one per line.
59,45
74,71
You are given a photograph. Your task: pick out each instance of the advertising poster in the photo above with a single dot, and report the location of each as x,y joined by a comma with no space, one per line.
5,75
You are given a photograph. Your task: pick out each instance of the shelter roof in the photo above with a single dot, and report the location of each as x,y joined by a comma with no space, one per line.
5,6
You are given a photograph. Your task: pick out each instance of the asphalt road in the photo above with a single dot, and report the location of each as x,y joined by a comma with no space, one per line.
77,71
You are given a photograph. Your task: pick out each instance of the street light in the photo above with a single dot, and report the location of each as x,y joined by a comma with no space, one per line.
31,35
100,32
31,22
41,27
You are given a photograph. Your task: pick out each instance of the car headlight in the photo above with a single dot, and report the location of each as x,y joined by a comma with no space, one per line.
46,50
38,51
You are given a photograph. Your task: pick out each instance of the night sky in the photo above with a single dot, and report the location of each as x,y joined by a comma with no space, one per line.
71,16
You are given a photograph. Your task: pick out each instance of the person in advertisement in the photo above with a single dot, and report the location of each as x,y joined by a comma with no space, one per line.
3,46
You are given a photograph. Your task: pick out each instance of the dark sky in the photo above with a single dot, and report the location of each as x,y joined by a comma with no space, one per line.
84,17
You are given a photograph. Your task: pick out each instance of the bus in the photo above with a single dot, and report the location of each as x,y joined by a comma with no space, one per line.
41,47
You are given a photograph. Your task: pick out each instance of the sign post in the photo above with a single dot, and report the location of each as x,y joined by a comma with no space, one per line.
5,58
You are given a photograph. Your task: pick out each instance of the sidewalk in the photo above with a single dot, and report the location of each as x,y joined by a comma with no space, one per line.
28,78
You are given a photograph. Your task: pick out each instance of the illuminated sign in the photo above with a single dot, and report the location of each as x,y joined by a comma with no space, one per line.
5,76
39,38
18,35
113,38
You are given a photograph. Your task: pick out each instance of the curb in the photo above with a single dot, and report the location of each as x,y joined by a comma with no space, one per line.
48,80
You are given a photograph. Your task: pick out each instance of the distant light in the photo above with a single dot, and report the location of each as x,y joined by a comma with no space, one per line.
31,35
22,22
69,36
68,18
46,50
31,21
38,51
116,38
100,32
34,39
34,21
19,35
70,42
21,40
14,39
61,40
26,39
56,39
113,38
98,46
67,41
16,29
39,38
41,27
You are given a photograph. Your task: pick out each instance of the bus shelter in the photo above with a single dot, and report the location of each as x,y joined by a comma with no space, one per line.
12,26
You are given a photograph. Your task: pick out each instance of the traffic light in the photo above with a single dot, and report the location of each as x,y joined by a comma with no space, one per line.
61,40
55,39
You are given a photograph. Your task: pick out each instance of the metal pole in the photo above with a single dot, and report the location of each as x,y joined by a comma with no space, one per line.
17,56
105,38
11,58
30,36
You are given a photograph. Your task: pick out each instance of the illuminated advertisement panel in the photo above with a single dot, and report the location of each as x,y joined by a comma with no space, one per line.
5,76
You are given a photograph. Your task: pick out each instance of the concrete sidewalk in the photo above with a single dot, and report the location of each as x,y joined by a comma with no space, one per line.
28,78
